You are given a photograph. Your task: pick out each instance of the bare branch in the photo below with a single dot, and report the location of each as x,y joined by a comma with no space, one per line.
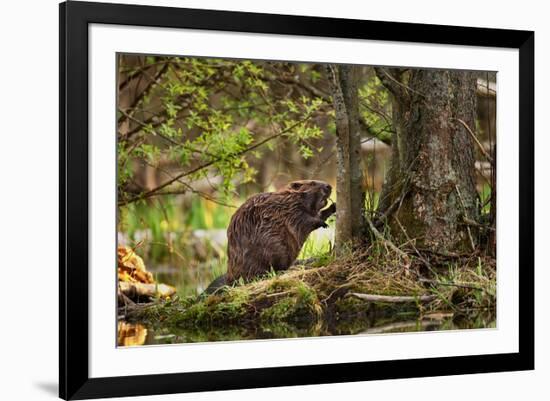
392,299
390,83
472,244
152,83
459,285
390,244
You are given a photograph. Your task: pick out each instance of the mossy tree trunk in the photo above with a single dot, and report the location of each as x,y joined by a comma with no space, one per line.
430,191
349,175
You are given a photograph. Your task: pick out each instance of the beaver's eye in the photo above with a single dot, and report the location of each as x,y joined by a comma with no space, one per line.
295,185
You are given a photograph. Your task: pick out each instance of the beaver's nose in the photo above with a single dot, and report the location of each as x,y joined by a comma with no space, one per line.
328,188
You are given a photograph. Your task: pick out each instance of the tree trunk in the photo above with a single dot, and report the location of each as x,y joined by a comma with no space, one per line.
349,176
430,189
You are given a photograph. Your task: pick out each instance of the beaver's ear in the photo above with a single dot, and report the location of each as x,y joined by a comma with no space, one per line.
295,185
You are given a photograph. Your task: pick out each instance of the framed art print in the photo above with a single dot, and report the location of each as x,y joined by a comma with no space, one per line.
255,200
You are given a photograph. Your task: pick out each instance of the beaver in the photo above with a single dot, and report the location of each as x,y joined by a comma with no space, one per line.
269,229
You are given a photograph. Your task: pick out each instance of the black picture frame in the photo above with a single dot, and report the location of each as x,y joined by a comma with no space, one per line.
75,17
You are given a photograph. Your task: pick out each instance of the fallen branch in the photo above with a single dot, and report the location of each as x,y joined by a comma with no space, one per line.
135,291
392,298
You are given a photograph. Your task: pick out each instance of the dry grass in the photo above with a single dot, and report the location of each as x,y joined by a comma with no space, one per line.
308,294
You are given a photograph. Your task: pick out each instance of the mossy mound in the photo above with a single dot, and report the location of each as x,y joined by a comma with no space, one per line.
306,295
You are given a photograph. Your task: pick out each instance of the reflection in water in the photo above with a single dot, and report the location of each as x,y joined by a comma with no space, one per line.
132,334
197,274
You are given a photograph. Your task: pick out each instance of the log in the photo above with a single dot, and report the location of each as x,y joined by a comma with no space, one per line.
136,291
391,298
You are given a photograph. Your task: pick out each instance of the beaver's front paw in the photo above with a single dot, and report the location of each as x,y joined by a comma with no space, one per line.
329,211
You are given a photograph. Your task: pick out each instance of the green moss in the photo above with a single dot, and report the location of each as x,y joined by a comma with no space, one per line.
278,311
294,301
231,306
305,298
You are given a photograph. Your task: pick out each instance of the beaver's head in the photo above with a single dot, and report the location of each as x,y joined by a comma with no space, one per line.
315,193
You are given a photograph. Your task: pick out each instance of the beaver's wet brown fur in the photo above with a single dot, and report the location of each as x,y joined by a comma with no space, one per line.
269,229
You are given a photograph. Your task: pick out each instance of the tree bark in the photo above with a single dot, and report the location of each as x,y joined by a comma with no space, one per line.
349,176
430,186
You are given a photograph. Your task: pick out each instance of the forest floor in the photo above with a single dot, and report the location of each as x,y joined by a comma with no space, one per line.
338,289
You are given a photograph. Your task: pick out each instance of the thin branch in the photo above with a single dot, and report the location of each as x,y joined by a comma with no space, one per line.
397,201
474,137
152,83
183,100
166,138
373,133
188,188
386,118
404,185
310,88
460,285
470,222
446,254
412,243
134,72
391,298
388,243
397,88
472,244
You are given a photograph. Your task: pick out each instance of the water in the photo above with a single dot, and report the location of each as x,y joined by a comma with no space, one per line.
191,276
377,322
